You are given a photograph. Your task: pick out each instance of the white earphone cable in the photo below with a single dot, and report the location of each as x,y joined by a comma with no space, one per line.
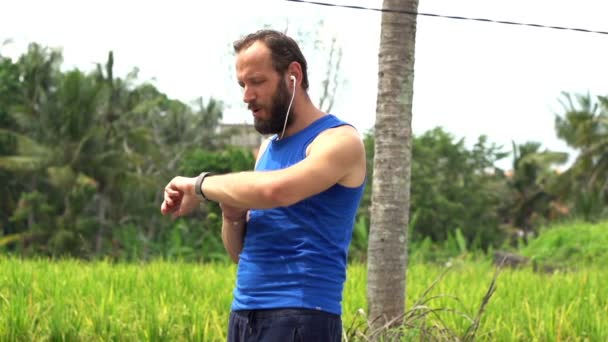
289,108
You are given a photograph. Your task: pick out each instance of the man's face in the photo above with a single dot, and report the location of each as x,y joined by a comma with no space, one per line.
264,90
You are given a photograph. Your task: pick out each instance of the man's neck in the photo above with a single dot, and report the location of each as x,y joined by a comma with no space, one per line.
305,114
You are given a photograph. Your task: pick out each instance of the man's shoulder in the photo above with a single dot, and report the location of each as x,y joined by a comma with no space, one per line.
345,132
343,147
345,139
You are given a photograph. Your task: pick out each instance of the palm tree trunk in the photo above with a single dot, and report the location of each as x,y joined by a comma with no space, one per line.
387,249
31,219
101,218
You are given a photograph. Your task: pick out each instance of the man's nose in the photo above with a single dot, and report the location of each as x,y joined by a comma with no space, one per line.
248,95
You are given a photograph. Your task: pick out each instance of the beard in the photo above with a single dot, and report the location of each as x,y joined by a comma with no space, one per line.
278,112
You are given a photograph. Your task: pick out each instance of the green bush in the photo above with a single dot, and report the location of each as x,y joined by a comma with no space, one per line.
574,244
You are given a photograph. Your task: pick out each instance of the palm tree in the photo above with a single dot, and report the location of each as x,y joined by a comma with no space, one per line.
68,138
584,127
86,151
29,112
387,249
53,118
531,182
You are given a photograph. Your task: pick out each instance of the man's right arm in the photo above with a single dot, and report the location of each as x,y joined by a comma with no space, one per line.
233,234
233,229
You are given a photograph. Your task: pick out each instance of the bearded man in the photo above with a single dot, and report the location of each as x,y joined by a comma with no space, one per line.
288,223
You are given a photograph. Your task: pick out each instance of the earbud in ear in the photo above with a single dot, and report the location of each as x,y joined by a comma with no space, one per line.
293,94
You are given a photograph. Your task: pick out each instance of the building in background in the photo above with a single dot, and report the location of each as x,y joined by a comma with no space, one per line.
241,135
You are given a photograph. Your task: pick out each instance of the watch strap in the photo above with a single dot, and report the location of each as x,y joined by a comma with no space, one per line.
198,185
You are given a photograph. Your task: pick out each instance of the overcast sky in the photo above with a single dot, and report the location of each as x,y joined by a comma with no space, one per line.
472,78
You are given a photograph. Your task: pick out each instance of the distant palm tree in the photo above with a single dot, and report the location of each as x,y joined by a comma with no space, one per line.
584,127
531,182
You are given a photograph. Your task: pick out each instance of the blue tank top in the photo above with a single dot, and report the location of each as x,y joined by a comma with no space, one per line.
295,256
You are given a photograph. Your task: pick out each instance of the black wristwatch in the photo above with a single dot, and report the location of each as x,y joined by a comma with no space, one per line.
198,184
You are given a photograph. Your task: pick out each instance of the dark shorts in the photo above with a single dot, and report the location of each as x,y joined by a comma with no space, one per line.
284,325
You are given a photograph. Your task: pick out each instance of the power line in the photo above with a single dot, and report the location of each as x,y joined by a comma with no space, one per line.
505,22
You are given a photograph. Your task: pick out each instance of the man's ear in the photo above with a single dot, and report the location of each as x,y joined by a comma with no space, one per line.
295,70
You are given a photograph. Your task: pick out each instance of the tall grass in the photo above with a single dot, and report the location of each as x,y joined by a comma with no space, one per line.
526,306
67,300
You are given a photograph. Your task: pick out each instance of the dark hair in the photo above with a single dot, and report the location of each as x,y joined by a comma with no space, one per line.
283,49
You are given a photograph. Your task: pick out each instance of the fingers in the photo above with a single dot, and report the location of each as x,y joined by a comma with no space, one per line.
163,208
172,192
166,208
172,196
172,201
176,199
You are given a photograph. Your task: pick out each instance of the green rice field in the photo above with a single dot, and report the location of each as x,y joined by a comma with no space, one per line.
67,300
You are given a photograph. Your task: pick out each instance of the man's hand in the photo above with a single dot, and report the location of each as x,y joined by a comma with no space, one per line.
180,198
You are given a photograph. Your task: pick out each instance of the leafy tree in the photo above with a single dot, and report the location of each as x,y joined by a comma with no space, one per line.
456,188
453,188
206,226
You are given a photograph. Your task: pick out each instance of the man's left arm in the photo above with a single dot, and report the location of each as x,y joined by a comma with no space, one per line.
332,157
328,162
